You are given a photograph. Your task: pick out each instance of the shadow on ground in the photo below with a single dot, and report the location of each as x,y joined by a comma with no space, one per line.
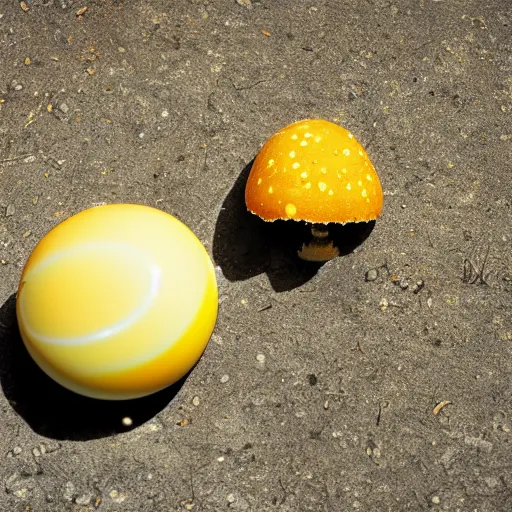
245,246
53,411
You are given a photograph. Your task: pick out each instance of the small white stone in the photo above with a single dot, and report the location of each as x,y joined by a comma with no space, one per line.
224,379
84,500
141,135
165,113
220,459
230,498
196,401
436,500
127,421
260,358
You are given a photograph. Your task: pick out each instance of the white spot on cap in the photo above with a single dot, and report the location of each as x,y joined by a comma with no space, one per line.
259,181
360,183
368,177
323,170
307,185
270,190
271,162
344,171
303,143
318,139
322,186
350,136
360,153
346,152
290,209
363,192
349,186
331,192
307,135
294,136
336,152
304,175
292,154
296,165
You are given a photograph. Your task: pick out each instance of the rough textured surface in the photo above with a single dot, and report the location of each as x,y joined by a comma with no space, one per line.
317,391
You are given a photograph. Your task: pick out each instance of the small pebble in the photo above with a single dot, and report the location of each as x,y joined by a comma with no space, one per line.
141,135
18,87
36,452
9,210
224,379
84,500
230,498
436,500
326,404
165,113
260,358
383,304
403,283
196,401
418,286
127,421
69,491
16,450
371,275
64,108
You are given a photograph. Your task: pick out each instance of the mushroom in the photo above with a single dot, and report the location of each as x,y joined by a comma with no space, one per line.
317,172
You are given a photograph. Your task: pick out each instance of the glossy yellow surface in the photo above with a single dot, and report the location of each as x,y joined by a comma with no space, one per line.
118,301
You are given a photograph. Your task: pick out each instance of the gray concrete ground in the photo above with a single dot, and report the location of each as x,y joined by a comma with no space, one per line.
318,390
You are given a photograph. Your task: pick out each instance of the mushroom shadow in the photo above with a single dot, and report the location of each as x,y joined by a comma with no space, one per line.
55,412
244,245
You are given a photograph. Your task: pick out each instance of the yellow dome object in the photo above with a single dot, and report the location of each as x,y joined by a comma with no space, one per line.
117,302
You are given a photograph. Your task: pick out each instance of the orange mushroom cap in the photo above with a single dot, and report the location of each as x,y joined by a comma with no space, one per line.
314,171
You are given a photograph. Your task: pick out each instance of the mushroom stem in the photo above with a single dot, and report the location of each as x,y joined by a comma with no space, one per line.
320,248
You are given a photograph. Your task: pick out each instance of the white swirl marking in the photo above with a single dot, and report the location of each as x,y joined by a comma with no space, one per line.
132,317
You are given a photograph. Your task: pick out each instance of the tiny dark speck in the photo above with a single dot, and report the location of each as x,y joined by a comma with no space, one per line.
312,378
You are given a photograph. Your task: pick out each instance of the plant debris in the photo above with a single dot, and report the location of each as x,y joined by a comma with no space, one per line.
439,406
